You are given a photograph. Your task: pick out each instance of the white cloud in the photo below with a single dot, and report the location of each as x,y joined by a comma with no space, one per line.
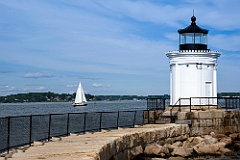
8,88
97,85
38,75
40,88
71,86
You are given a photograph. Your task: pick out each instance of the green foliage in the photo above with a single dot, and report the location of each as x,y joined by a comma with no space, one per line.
35,97
54,97
229,94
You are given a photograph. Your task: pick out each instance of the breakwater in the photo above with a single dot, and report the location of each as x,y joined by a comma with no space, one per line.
124,144
129,143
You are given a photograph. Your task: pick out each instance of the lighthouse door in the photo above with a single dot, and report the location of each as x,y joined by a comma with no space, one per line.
208,89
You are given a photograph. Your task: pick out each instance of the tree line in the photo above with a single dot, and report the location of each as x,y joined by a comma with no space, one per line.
55,97
64,97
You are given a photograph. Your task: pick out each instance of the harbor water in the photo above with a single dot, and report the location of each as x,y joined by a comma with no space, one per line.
39,108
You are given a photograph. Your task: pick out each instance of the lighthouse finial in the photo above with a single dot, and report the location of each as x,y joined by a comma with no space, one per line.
193,19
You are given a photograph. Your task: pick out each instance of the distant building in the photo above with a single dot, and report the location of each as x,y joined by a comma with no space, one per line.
193,68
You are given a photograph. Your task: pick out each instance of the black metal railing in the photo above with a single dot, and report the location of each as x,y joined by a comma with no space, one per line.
215,102
157,103
195,103
229,102
24,130
199,103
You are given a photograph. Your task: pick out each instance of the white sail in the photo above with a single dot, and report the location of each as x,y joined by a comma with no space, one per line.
80,96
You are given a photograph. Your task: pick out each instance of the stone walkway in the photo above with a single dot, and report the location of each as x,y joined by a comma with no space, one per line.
83,147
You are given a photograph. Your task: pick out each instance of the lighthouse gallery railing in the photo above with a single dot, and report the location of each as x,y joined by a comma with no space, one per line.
196,103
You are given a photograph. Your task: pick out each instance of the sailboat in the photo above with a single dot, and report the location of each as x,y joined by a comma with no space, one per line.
80,99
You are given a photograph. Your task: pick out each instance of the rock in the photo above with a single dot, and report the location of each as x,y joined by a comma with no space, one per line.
73,134
55,139
226,140
38,143
227,152
162,154
209,139
238,136
219,136
169,147
182,137
176,158
233,136
192,141
148,158
177,144
136,151
236,145
155,149
169,140
165,150
209,149
212,134
181,151
223,138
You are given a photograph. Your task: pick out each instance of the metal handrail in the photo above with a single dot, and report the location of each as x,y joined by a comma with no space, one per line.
24,130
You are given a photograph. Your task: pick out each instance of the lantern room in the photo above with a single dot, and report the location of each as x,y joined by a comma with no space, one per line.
193,37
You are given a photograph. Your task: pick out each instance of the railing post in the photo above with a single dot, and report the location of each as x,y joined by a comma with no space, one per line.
171,116
164,103
117,120
179,108
208,103
134,120
238,102
156,105
147,103
225,103
85,119
190,104
49,126
8,138
148,117
100,123
30,134
154,116
68,124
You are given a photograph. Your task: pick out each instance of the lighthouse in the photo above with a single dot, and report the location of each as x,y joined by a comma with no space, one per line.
193,68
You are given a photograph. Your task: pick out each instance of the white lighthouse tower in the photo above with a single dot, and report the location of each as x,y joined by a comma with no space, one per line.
193,68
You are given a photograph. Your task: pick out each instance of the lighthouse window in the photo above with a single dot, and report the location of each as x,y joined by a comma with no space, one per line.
204,39
189,38
186,38
198,38
192,38
182,39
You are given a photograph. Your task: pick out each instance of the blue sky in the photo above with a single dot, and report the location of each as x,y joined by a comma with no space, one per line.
111,46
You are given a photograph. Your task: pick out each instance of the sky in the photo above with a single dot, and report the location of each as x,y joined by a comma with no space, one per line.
113,47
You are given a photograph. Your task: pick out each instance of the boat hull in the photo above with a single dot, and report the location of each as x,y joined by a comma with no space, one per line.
79,104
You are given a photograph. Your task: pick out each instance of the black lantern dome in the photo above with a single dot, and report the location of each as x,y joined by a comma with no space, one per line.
193,37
